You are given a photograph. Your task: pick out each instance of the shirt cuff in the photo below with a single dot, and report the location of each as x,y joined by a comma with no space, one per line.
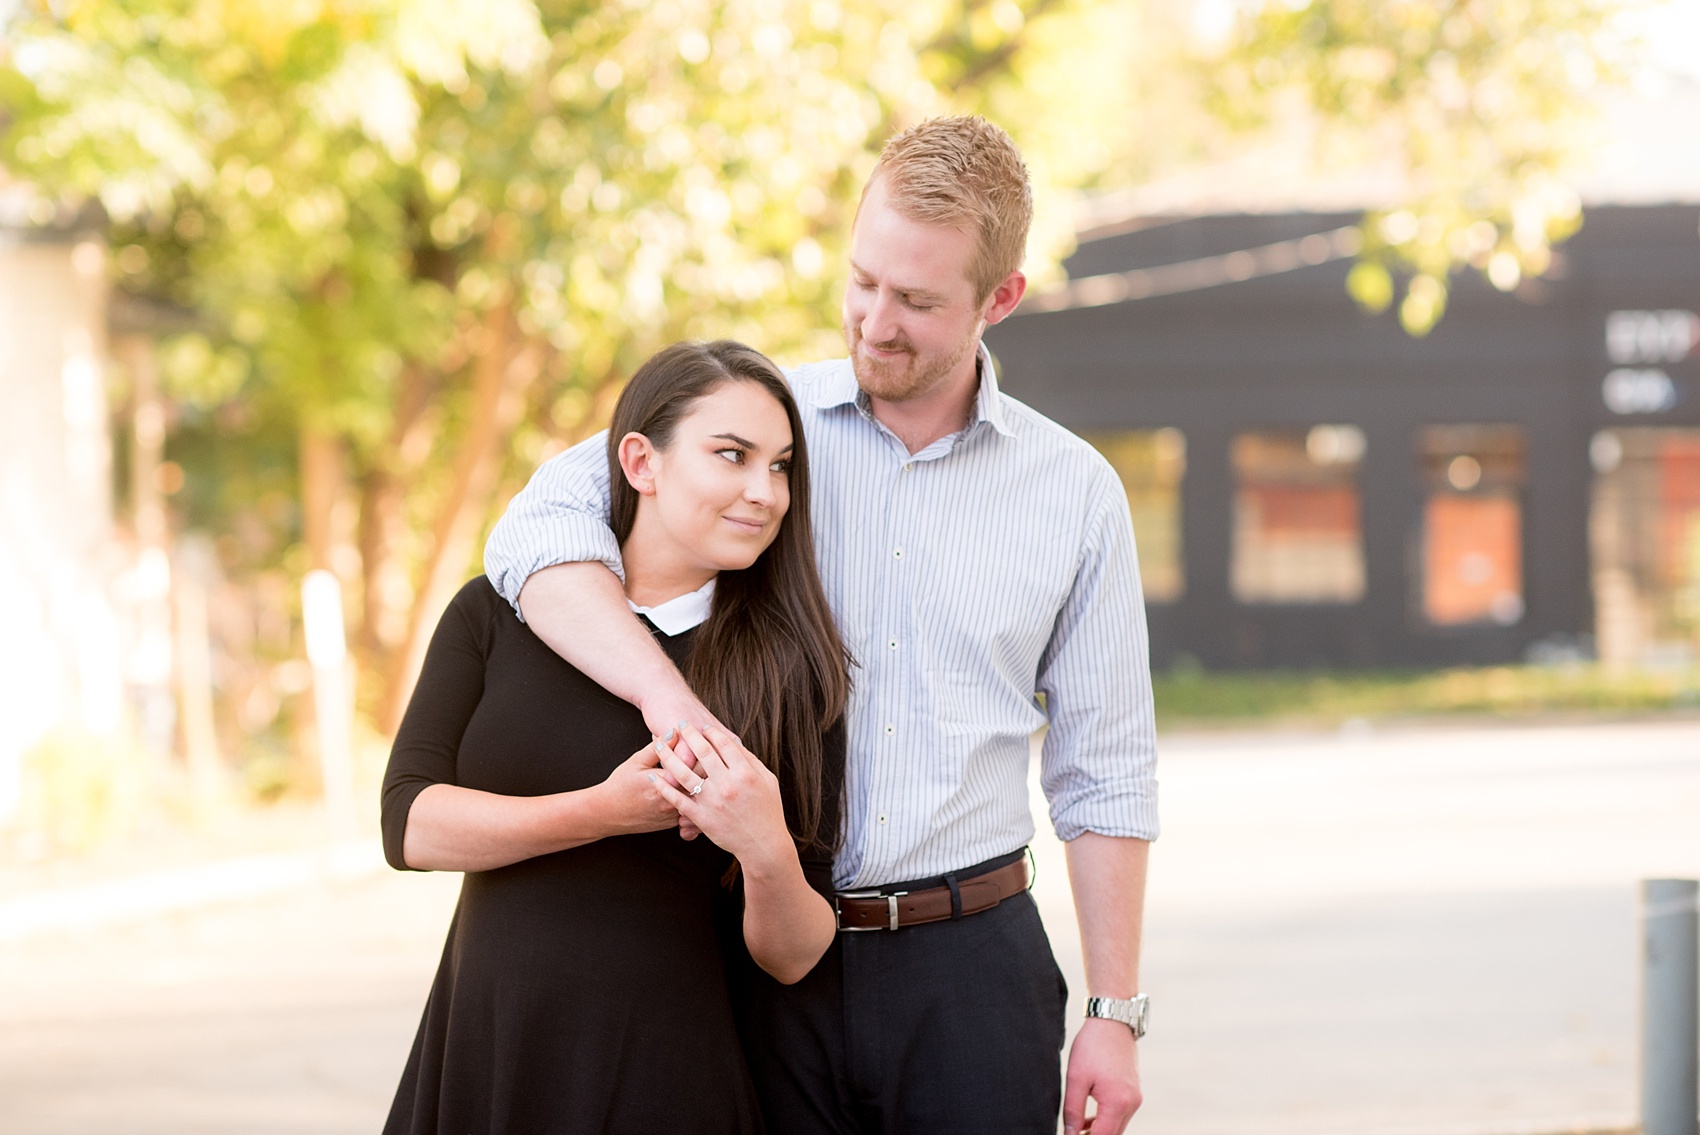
568,539
1127,813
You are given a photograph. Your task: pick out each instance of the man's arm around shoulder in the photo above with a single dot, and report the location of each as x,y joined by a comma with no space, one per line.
553,556
579,610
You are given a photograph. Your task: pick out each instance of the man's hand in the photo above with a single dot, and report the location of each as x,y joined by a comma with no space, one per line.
1103,1064
671,704
676,705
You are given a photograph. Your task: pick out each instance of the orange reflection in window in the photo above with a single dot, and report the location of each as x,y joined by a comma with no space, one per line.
1473,567
1328,511
1298,534
1679,512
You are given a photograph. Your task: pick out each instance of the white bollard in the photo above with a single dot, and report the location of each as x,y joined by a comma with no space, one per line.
333,703
1670,1006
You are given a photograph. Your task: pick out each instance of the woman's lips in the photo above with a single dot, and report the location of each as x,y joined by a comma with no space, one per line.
750,527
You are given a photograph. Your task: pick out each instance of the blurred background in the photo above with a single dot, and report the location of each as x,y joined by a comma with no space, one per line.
1385,312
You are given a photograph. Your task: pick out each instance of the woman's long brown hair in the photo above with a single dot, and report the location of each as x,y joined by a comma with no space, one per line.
768,662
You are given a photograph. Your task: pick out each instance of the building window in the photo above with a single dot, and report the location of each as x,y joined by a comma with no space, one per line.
1645,535
1151,464
1298,532
1472,534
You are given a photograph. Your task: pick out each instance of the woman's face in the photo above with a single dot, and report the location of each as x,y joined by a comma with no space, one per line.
719,491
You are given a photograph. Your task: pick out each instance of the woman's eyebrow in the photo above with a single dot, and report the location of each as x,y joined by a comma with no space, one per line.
736,440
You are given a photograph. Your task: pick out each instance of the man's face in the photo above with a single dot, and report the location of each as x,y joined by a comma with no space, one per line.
910,317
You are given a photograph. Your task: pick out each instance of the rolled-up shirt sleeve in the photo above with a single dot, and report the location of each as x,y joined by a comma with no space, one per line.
1099,763
560,517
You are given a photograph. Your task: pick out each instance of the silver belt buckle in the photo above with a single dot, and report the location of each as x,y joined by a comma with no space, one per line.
874,893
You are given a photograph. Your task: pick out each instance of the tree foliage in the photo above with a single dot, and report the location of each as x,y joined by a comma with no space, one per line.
425,238
431,235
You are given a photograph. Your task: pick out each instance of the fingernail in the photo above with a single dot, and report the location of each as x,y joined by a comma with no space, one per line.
680,725
649,776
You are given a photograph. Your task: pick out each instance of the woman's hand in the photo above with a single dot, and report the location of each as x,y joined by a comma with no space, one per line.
729,794
450,828
735,800
630,800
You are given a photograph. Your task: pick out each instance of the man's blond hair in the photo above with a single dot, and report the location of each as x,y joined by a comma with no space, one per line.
966,173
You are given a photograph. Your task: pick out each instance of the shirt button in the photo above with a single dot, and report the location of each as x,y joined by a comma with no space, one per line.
898,552
889,729
908,466
882,817
892,645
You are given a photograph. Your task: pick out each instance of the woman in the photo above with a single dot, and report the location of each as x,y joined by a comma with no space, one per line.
582,988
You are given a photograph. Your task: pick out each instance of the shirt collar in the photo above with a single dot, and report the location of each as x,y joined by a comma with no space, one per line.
839,389
680,613
988,403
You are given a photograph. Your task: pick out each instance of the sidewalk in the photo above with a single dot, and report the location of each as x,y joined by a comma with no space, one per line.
1405,932
1411,932
150,894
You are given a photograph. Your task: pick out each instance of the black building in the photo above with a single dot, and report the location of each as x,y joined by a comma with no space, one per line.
1311,486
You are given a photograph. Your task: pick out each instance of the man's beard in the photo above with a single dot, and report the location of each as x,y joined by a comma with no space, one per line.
900,379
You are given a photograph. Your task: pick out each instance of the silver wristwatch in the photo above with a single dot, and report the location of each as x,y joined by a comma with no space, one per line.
1133,1012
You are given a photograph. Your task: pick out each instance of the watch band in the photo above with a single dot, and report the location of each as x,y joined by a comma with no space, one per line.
1134,1012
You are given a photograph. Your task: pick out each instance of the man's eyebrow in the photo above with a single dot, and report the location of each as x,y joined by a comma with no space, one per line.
912,293
736,440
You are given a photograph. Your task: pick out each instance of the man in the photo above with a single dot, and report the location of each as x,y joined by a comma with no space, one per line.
977,557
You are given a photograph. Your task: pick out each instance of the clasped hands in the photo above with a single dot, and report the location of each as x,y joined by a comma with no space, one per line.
701,781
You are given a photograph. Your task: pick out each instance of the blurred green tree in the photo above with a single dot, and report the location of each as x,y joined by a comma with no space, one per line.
426,238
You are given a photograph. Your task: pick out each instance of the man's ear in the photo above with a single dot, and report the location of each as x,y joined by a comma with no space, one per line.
1005,298
637,462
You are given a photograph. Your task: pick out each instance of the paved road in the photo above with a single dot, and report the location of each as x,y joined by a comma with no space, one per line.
1417,931
1411,933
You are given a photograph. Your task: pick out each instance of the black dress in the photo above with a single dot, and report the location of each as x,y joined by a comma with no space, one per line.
583,991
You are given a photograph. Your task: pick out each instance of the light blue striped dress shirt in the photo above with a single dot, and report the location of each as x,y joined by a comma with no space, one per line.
995,565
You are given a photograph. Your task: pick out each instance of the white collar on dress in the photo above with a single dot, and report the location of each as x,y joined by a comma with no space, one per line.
680,613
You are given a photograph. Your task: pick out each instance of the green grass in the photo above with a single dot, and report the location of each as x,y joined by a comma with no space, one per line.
1325,699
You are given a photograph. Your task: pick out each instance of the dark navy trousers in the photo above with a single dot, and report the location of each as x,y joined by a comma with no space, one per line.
941,1028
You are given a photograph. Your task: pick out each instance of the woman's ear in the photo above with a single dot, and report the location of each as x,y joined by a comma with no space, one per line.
637,462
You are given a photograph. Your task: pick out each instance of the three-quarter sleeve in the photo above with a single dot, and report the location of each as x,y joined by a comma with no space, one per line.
449,689
1099,762
560,517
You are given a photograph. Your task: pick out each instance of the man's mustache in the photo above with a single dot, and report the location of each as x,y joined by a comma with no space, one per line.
894,345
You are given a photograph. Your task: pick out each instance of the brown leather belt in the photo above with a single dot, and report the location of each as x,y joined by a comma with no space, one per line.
871,910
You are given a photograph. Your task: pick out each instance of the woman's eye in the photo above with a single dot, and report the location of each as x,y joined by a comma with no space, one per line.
735,456
781,467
